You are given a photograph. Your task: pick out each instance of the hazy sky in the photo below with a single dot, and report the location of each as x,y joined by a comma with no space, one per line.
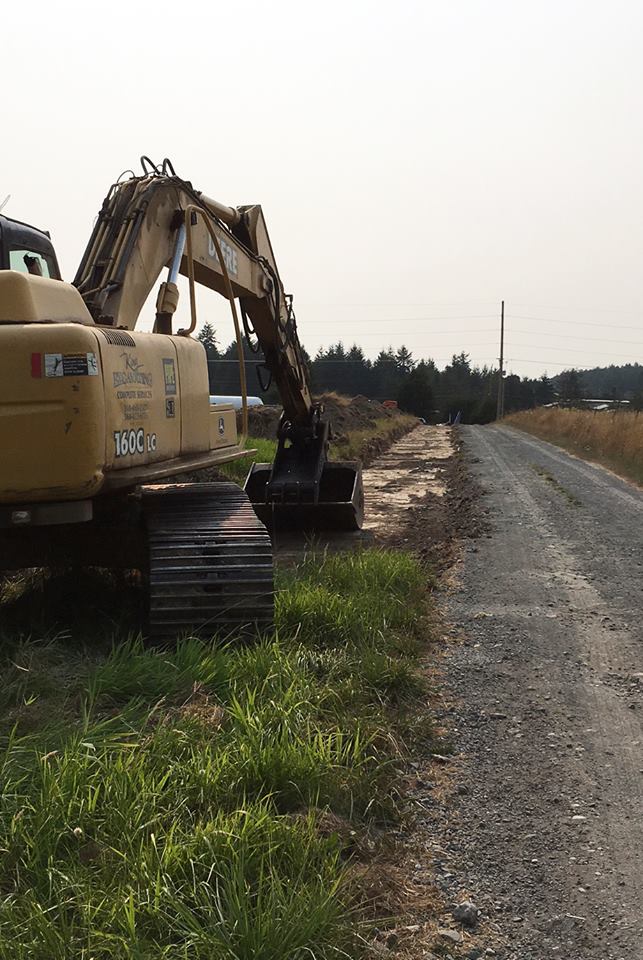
417,161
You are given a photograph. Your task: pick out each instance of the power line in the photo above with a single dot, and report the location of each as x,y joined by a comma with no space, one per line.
579,351
605,354
554,363
611,311
434,333
560,336
430,336
370,320
522,331
579,323
396,303
488,360
513,316
574,336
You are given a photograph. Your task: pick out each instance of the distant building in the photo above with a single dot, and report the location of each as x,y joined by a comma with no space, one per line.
591,404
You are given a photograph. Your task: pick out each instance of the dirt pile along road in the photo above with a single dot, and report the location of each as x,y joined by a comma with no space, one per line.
345,414
548,683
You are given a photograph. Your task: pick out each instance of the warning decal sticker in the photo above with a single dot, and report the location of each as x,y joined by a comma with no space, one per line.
169,374
71,365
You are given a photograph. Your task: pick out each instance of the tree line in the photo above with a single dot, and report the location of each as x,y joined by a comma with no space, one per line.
418,386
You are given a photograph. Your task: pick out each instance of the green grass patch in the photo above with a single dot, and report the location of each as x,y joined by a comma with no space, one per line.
167,803
237,470
556,485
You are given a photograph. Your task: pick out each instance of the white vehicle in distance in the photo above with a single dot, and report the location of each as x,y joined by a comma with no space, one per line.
237,401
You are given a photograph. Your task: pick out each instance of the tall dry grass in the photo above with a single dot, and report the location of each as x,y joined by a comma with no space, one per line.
613,438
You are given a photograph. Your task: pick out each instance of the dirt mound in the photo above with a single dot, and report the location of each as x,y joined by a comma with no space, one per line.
346,414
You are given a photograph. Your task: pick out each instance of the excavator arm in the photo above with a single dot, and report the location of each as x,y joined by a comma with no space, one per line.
158,221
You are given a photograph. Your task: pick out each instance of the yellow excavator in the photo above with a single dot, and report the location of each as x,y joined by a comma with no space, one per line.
96,417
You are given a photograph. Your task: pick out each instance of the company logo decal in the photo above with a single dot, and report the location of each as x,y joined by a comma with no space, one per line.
132,373
229,254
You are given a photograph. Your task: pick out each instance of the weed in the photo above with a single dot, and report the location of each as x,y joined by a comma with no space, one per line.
136,672
558,487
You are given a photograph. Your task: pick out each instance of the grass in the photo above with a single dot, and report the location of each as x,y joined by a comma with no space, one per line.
556,485
237,470
174,803
611,438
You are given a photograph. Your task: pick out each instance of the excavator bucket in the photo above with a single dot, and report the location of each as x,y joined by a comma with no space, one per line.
302,489
333,500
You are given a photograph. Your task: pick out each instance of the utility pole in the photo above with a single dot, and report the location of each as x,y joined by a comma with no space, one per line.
500,409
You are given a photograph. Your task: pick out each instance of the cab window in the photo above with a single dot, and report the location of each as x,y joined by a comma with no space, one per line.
27,261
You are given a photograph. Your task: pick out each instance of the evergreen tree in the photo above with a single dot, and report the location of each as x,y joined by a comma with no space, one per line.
415,394
569,387
360,370
207,336
543,391
404,360
386,375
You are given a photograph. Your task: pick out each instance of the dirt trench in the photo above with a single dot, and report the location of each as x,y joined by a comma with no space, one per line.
405,491
402,478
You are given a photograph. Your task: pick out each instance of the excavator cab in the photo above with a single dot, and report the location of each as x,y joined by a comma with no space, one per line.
27,249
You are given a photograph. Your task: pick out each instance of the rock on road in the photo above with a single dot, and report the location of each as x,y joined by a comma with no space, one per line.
549,686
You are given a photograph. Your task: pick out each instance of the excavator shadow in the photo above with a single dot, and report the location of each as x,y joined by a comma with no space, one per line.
290,547
90,606
79,605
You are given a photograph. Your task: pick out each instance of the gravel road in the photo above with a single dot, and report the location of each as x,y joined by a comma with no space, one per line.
547,836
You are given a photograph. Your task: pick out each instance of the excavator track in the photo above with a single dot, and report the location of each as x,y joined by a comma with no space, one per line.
210,562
